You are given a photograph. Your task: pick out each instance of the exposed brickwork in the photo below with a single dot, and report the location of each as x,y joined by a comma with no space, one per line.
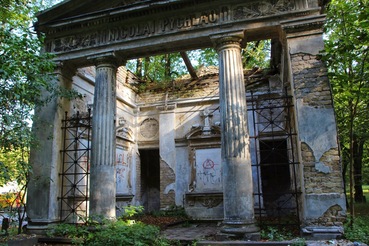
311,81
334,216
318,182
167,177
321,176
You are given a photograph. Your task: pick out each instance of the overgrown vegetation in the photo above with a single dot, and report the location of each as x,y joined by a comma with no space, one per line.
117,233
124,231
359,230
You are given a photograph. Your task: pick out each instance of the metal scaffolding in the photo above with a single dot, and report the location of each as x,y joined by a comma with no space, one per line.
274,162
75,169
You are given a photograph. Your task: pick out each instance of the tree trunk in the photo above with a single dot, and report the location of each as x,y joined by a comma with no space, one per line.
139,68
345,162
146,68
189,66
358,148
167,66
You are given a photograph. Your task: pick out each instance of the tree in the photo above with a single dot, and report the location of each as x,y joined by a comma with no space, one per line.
24,72
347,57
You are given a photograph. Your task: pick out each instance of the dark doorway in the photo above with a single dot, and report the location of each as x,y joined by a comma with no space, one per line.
150,179
275,174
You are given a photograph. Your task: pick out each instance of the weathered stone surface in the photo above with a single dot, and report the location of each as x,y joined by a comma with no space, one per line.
183,118
236,160
102,171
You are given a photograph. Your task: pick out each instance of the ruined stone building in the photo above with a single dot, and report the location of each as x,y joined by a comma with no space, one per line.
241,146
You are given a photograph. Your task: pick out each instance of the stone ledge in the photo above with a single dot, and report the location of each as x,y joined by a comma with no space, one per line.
322,232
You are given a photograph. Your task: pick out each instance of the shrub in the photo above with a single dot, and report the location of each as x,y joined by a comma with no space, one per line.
359,232
111,233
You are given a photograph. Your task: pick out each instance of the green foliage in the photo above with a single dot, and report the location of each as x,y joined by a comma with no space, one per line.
110,233
275,234
347,57
256,54
131,211
204,57
78,234
25,73
359,231
163,69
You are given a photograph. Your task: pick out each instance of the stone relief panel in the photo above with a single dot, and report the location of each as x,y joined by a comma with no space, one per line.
124,130
123,169
262,8
149,128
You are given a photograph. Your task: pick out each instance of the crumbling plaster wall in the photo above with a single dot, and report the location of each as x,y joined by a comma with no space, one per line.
317,131
177,112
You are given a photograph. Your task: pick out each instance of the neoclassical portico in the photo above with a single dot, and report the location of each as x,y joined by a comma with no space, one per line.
84,33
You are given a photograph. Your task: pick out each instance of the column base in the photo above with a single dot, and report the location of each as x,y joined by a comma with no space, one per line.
39,227
241,230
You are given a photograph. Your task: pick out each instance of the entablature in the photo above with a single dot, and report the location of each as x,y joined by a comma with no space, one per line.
156,27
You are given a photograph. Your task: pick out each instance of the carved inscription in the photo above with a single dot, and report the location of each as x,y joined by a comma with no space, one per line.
134,31
119,32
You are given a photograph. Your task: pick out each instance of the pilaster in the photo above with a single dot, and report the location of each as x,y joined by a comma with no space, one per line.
236,160
102,169
45,158
167,153
323,198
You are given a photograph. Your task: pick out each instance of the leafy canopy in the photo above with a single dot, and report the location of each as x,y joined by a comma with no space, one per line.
347,57
24,72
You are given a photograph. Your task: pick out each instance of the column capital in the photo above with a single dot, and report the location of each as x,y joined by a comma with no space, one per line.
107,59
64,69
227,40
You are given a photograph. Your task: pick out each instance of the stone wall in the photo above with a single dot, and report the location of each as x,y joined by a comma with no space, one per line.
311,81
320,157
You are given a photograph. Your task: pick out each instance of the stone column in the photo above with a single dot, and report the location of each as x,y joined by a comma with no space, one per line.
102,169
43,206
236,160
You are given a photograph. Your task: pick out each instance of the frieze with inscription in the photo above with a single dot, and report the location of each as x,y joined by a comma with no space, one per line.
119,32
139,30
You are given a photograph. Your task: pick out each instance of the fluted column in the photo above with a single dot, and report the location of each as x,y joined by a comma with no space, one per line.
236,161
102,167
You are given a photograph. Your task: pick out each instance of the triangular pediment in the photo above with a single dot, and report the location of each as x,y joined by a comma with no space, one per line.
79,8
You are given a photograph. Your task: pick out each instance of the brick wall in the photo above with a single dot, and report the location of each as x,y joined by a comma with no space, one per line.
311,85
